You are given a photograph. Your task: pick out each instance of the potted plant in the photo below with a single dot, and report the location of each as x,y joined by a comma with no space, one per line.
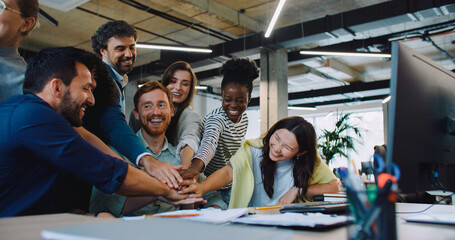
338,141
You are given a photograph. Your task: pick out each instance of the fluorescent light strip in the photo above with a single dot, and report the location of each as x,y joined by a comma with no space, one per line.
173,48
355,54
274,18
302,108
387,99
201,87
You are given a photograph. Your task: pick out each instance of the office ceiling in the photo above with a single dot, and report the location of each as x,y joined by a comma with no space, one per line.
236,27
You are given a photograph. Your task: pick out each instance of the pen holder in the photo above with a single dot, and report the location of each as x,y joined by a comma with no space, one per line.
375,220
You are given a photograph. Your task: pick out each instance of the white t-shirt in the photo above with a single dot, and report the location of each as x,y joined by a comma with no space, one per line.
284,180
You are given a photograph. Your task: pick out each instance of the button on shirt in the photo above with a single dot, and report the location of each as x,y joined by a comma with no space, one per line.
167,153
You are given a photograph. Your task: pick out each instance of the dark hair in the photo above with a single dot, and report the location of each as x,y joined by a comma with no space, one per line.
241,71
114,28
28,8
303,165
167,76
105,93
52,63
148,87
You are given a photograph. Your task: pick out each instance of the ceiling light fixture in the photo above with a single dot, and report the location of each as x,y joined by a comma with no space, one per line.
386,100
173,47
201,87
274,18
302,108
354,54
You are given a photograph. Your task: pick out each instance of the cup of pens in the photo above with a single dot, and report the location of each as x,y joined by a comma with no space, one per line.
371,208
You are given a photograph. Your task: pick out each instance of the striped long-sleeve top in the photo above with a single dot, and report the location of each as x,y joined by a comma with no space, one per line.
220,139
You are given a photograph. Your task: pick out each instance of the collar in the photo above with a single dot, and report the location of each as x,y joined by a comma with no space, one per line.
228,119
9,52
116,76
166,146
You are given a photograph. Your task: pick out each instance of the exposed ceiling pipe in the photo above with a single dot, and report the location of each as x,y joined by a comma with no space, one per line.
426,37
138,28
48,18
194,26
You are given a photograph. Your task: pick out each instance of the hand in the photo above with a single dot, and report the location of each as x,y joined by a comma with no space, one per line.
192,186
289,197
105,215
193,170
165,172
177,199
184,201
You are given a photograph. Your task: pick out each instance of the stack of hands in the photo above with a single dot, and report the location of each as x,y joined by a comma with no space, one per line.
183,182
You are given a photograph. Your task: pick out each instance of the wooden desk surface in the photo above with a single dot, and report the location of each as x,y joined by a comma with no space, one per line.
30,227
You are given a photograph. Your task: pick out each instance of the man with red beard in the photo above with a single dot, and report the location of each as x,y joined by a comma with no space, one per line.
43,160
154,110
115,42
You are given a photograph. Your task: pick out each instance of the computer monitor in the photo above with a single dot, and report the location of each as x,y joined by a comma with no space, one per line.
421,138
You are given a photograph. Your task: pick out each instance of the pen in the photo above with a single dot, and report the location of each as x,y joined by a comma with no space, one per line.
269,207
173,215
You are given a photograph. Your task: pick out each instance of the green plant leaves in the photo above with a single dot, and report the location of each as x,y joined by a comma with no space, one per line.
337,141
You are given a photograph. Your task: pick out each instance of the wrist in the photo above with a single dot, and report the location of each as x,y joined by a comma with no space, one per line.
146,160
196,165
202,187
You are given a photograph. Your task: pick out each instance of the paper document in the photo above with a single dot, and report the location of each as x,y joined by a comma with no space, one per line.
295,220
431,217
210,215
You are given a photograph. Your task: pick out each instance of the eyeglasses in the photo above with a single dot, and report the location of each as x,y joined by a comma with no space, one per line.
3,7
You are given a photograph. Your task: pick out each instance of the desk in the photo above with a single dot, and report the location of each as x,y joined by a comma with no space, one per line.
30,227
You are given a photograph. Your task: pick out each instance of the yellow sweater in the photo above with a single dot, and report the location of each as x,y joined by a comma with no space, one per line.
243,179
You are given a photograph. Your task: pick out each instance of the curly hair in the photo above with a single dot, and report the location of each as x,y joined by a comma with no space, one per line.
105,93
241,71
303,165
114,28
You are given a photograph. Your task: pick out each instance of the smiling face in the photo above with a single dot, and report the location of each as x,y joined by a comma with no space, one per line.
283,145
77,96
154,112
120,54
235,99
180,86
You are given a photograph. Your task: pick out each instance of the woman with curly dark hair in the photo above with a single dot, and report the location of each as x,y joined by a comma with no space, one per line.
282,167
225,127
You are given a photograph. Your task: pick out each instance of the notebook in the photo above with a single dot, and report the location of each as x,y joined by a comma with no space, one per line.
296,220
445,218
338,207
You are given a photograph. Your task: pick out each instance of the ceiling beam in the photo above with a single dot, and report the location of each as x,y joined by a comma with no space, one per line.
195,26
353,87
339,66
291,36
227,13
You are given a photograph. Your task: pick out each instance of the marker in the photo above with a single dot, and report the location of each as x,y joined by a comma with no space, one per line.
270,207
174,215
